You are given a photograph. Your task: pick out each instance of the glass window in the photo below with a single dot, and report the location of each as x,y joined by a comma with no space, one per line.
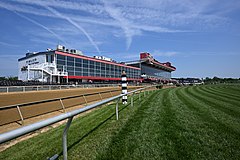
91,66
60,62
78,69
97,63
85,65
103,66
60,67
98,74
78,60
70,68
91,62
70,58
108,66
85,61
70,63
71,73
61,57
78,73
103,74
78,65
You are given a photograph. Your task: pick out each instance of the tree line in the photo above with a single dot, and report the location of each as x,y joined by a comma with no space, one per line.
215,80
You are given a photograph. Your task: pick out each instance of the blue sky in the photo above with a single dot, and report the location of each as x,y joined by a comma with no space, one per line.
200,38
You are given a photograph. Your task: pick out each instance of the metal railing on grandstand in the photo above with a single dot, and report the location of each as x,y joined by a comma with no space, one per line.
7,89
69,115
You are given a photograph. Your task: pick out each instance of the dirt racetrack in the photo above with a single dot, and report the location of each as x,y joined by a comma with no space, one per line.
12,114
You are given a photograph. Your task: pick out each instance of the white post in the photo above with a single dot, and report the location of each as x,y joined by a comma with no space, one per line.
50,78
28,74
42,75
67,77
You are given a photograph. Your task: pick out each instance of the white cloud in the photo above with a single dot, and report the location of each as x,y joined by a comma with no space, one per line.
156,53
134,18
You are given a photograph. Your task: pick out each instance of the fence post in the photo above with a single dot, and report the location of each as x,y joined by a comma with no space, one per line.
20,113
111,93
37,88
63,107
64,138
100,95
7,89
24,88
117,108
85,100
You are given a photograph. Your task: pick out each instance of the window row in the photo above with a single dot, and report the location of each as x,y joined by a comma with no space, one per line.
92,72
94,65
102,66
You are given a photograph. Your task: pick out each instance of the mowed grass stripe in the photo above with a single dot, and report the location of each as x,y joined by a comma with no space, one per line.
210,133
136,134
186,140
174,142
221,97
201,109
213,102
233,88
225,91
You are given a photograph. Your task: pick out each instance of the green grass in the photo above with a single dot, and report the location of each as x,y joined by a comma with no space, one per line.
197,122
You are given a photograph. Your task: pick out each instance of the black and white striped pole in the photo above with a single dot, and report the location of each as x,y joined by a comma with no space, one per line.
124,87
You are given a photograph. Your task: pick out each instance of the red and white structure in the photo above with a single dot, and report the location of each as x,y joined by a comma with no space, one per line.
63,65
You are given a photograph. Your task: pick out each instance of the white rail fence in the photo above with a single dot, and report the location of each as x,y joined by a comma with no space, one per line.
7,89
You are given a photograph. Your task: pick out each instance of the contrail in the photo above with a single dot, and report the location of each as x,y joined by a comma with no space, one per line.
38,24
57,36
75,24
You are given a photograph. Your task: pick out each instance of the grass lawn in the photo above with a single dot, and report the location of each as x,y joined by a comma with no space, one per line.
196,122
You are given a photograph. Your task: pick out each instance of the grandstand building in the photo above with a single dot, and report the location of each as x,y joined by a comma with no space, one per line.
153,70
64,65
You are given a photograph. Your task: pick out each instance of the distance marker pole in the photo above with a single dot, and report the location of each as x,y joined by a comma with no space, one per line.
124,87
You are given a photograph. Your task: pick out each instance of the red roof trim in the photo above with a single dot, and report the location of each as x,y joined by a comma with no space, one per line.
164,66
100,78
93,59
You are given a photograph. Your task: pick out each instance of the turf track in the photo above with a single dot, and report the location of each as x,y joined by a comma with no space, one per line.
198,122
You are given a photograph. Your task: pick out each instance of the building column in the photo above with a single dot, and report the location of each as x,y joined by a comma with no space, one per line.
42,75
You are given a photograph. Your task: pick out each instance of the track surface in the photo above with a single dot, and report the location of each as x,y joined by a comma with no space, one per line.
12,115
